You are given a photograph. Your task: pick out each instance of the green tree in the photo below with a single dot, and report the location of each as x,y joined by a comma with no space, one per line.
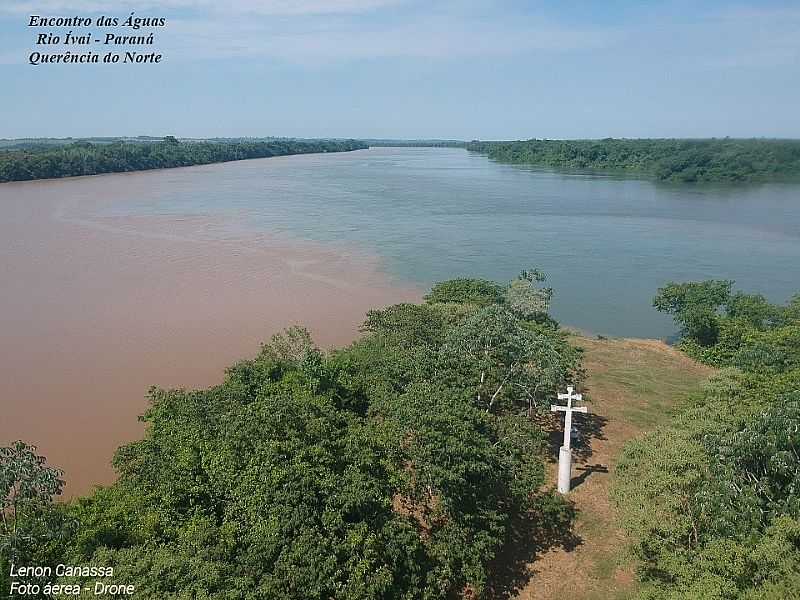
466,291
33,530
407,324
712,498
695,306
501,362
372,471
526,299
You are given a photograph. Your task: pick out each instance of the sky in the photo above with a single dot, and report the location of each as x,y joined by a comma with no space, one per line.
453,69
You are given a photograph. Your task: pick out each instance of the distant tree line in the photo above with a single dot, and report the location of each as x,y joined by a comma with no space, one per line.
416,143
712,499
34,143
86,158
685,160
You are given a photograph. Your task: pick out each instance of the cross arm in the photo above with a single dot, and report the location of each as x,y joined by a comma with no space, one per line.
557,407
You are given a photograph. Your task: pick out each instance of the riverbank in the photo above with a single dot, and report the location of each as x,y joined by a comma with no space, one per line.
85,158
677,160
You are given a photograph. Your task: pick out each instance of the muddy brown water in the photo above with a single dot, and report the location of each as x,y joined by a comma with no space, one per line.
96,309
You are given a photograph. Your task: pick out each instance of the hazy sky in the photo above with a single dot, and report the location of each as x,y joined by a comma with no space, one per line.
418,68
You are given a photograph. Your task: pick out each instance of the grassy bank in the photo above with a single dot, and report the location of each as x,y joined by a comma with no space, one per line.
632,386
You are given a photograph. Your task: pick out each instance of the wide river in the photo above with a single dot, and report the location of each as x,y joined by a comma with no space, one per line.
116,282
607,243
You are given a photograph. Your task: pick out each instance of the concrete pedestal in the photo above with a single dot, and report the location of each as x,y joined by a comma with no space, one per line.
564,469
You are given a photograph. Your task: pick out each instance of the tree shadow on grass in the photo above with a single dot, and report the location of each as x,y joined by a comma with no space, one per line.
529,536
589,428
532,534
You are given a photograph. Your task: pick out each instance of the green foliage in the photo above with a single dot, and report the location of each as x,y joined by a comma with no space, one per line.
407,324
759,468
451,482
520,445
26,482
466,291
84,158
733,329
754,309
526,299
726,160
695,307
705,497
502,363
33,530
677,298
276,493
374,471
712,500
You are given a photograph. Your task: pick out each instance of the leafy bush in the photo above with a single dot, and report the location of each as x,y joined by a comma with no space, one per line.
32,529
529,301
466,291
712,500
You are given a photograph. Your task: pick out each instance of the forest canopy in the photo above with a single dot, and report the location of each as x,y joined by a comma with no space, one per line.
87,158
404,464
393,468
680,160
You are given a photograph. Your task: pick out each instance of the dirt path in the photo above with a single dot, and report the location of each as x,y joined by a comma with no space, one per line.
631,386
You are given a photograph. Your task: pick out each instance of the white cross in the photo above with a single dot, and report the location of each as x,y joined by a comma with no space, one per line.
568,410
